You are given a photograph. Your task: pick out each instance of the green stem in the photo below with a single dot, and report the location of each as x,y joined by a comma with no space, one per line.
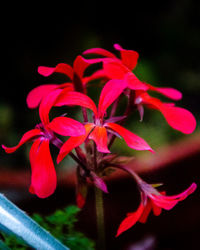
100,219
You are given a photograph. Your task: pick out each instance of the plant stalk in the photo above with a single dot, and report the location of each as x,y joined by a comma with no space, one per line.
100,219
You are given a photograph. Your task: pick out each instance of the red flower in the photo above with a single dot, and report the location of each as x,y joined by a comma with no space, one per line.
75,74
152,200
43,178
97,130
178,118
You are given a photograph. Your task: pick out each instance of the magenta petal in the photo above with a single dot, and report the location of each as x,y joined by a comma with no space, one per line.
110,92
43,178
128,57
30,135
179,118
60,68
35,96
99,135
132,140
130,220
182,195
66,126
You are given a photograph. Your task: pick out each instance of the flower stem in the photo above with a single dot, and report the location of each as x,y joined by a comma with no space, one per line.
100,219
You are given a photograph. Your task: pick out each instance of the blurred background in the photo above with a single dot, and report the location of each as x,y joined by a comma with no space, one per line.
167,37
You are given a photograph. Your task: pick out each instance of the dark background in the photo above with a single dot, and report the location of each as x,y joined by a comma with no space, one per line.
166,34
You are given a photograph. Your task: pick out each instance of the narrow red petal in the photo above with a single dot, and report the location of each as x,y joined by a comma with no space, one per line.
99,135
60,68
110,92
128,57
66,126
35,96
47,103
169,92
132,140
30,135
81,64
130,220
73,142
75,98
43,178
99,51
146,212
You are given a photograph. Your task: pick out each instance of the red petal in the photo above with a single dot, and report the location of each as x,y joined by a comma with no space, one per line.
179,118
99,51
128,57
114,69
132,140
147,210
169,92
76,98
35,96
66,126
99,74
134,83
47,103
30,135
60,68
43,178
110,92
81,64
99,135
130,220
73,142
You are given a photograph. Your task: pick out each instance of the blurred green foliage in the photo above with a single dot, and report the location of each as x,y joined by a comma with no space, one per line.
61,225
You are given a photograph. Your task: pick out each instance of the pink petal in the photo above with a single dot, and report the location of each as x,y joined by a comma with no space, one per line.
47,103
182,195
66,126
128,57
130,220
35,96
62,68
43,178
99,135
179,118
161,202
133,82
30,135
132,140
99,51
169,92
75,98
110,92
73,142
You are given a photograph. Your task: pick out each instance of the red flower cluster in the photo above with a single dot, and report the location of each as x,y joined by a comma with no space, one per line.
119,79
